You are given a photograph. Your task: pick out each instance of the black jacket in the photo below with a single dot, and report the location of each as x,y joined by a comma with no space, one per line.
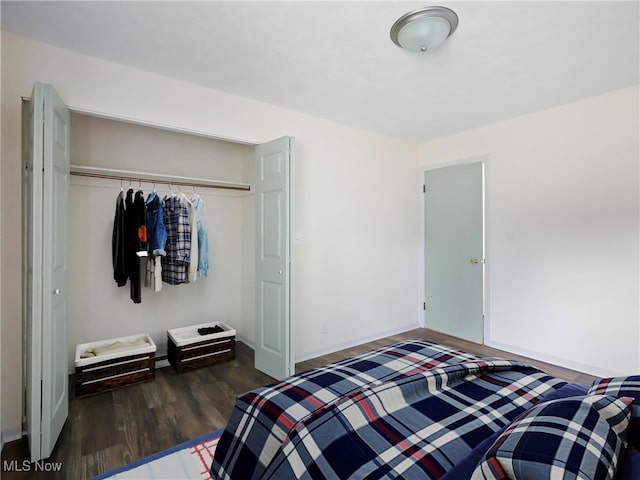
129,241
117,243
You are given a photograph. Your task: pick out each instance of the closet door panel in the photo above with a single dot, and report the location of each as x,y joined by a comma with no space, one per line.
54,347
47,206
273,347
32,215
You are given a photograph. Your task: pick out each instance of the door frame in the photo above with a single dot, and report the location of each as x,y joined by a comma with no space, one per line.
187,131
422,312
239,141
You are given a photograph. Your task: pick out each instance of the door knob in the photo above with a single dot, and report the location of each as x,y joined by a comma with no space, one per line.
56,291
280,272
475,261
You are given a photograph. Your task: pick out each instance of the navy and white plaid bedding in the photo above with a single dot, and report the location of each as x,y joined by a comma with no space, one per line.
412,409
623,387
573,438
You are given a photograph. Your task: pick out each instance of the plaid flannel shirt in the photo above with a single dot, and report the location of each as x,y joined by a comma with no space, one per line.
178,247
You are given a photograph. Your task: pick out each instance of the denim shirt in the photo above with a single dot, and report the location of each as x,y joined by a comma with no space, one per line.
203,237
156,231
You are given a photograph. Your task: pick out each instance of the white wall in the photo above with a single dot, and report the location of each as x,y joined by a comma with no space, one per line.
354,202
562,231
248,247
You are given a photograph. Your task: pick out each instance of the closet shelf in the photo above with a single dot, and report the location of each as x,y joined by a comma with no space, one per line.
148,177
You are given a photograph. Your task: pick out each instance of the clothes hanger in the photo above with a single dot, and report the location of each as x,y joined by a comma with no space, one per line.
195,195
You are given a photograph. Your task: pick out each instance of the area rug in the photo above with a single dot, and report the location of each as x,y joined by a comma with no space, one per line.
188,460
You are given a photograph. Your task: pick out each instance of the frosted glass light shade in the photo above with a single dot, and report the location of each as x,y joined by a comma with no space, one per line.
424,30
424,35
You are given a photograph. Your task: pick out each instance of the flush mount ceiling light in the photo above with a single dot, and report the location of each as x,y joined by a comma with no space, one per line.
425,29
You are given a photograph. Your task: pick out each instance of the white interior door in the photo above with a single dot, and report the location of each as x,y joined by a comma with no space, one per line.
273,349
454,251
47,182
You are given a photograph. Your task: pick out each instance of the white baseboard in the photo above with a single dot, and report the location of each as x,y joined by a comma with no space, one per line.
162,363
240,338
10,435
561,362
340,346
355,342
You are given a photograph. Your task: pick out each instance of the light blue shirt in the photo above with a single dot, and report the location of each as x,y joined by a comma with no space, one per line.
203,237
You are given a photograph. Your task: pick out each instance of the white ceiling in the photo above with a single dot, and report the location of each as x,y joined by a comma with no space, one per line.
335,60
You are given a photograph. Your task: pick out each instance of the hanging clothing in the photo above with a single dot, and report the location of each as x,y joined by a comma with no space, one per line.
117,243
156,230
203,237
192,270
153,274
140,225
178,246
157,234
135,241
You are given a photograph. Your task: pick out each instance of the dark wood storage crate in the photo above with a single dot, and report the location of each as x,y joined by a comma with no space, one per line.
188,350
96,376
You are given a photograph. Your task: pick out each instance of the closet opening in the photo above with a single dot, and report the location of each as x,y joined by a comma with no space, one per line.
72,182
147,155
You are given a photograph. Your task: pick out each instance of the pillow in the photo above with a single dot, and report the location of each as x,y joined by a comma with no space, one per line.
465,468
623,387
578,437
627,386
567,390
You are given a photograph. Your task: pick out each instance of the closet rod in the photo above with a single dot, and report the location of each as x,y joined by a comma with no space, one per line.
147,177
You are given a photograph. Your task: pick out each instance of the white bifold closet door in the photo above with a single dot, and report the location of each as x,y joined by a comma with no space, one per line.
45,206
273,342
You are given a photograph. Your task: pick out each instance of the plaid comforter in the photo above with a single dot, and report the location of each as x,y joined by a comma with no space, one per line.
413,409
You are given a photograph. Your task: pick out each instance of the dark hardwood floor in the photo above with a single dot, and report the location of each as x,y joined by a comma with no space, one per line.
111,429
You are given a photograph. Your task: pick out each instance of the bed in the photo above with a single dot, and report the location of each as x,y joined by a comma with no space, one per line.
420,410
